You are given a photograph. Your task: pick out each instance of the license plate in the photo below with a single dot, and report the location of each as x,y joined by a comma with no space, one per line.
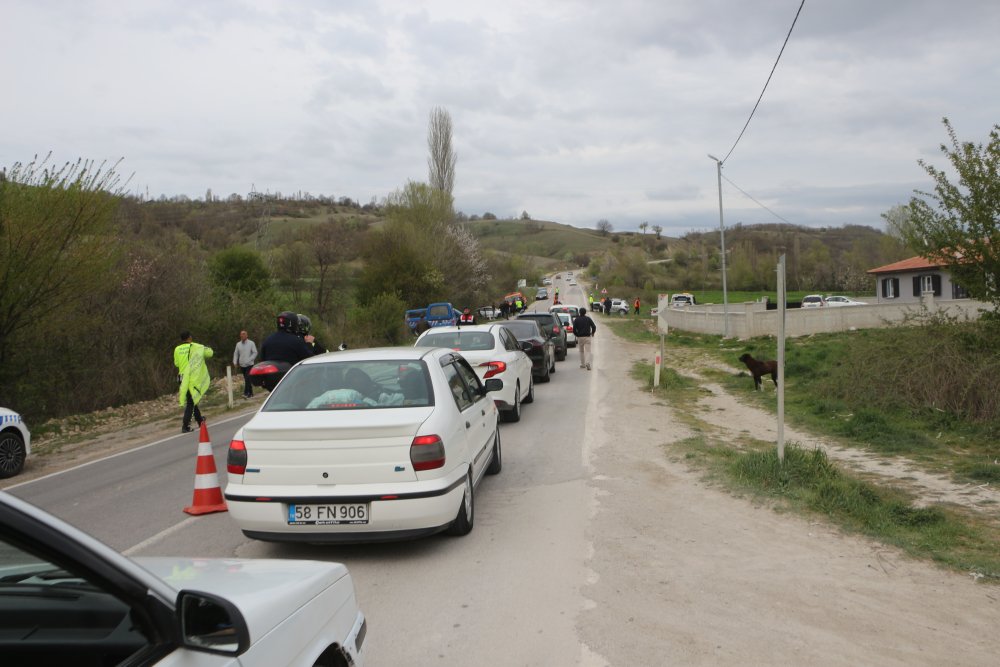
327,515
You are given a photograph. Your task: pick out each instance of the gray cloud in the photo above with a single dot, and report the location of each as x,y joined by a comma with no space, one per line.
574,111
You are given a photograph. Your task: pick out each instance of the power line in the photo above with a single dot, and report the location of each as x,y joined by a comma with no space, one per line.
766,82
748,196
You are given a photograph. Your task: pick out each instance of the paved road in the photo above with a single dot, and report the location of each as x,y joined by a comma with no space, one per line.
441,600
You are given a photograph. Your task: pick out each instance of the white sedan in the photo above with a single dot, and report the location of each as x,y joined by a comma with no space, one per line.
15,443
366,445
567,322
68,599
493,351
843,301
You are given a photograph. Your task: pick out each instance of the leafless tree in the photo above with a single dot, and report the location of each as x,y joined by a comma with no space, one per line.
657,229
604,227
644,226
441,163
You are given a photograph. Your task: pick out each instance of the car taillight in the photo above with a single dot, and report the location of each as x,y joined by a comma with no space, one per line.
236,460
264,369
427,452
493,368
555,330
569,329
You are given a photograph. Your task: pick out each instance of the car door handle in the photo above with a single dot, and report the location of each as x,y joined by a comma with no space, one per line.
468,425
483,412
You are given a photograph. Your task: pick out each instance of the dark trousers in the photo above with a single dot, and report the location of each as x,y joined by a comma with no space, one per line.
189,408
247,387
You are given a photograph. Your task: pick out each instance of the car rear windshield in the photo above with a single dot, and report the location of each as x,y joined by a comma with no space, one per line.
459,340
523,330
352,385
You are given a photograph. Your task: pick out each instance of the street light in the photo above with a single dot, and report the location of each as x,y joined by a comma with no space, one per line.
722,236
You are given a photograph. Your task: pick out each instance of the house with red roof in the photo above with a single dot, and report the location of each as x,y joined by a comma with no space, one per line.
907,280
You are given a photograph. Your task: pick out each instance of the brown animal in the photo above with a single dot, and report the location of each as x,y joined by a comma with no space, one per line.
759,368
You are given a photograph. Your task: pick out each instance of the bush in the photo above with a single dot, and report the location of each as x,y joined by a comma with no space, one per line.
380,322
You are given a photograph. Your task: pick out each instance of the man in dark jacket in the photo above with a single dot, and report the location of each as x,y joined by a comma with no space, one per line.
285,344
584,328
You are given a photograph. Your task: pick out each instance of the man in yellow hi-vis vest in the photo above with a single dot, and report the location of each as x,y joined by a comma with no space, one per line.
192,373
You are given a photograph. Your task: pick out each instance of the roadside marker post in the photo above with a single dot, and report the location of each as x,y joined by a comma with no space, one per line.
207,492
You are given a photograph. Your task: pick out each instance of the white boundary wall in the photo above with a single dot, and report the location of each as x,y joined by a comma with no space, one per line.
749,320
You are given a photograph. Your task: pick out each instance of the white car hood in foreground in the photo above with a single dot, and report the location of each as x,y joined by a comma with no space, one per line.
267,591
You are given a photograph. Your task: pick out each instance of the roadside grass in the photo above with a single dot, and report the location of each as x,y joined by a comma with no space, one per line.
847,386
809,483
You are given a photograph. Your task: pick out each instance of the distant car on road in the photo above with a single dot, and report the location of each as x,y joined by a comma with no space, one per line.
570,308
69,599
366,445
541,294
844,301
15,443
813,301
572,283
493,351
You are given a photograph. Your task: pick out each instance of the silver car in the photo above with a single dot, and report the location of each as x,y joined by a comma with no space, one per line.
69,599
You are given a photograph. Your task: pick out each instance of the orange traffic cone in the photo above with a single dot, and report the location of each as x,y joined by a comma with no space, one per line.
207,493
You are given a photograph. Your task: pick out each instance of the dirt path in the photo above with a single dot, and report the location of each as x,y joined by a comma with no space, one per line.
692,575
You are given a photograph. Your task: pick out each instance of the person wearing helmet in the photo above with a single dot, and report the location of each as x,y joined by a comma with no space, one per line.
305,326
285,344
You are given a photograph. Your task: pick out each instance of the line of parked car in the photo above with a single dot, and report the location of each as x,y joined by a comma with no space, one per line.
389,443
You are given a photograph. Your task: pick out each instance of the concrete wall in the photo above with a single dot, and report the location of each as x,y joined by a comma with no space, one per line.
749,320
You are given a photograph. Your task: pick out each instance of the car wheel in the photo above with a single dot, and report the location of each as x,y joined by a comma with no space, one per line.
530,398
462,525
514,413
544,377
560,354
496,465
11,454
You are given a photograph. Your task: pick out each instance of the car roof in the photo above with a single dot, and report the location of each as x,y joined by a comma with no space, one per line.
467,327
372,354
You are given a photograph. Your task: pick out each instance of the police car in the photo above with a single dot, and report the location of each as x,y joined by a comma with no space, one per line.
15,443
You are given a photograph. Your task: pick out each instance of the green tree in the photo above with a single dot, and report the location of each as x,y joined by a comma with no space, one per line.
957,223
57,241
240,269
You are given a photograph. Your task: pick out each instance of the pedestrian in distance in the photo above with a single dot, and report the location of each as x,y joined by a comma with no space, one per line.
244,357
192,376
637,304
585,329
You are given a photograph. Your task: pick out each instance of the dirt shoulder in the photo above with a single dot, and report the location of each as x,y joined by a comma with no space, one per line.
694,575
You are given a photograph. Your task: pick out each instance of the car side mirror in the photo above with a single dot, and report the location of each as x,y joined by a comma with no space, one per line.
525,346
494,384
211,624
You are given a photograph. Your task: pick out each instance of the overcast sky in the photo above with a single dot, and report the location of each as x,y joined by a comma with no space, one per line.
571,110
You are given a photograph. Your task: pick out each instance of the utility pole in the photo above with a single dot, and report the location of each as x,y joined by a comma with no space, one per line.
722,237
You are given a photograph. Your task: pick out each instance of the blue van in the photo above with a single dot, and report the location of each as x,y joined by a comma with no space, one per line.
441,315
414,316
